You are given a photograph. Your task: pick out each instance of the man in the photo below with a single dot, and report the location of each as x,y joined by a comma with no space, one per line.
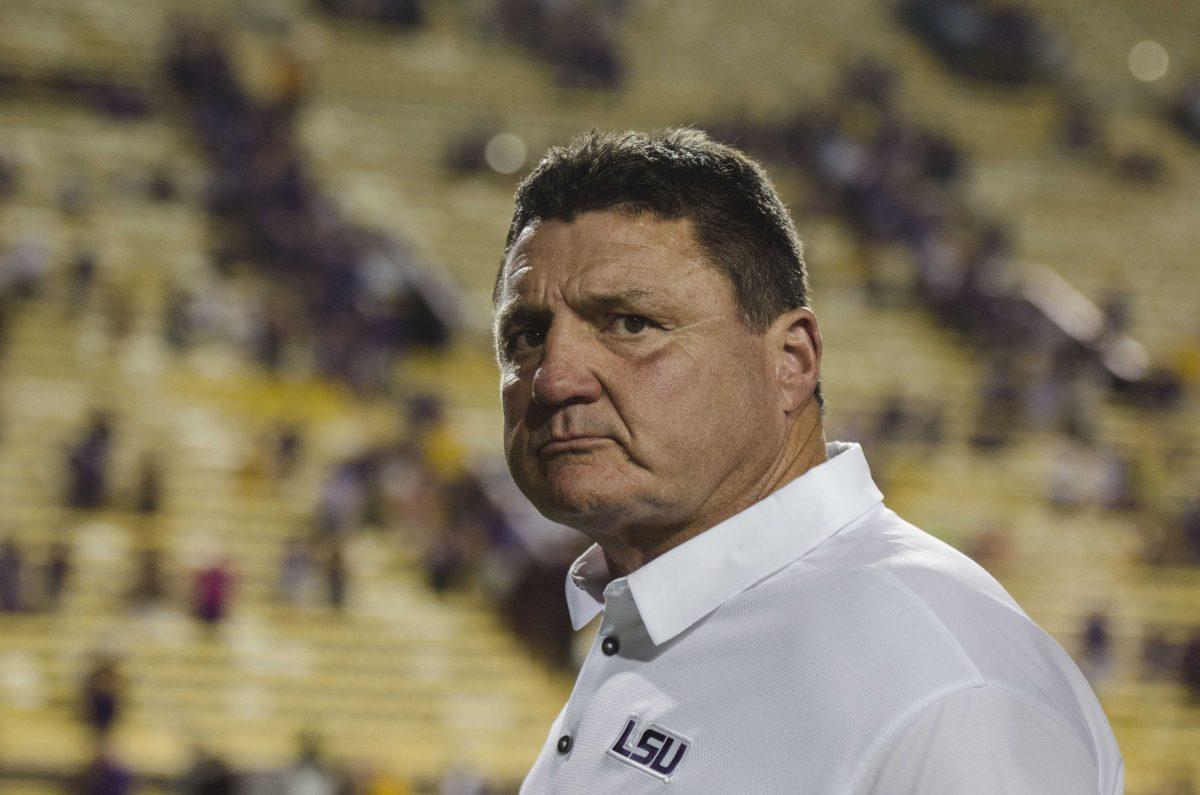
768,624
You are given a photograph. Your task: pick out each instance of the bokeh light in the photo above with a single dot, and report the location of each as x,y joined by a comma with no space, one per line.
1148,60
505,153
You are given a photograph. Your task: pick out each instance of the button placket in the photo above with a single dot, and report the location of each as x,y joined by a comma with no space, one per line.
593,672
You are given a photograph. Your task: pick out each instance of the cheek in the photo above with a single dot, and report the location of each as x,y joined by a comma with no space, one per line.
514,399
662,398
682,403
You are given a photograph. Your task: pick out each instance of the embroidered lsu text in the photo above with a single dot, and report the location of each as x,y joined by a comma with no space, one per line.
650,748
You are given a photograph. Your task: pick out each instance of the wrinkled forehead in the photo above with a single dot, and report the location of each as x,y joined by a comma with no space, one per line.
600,250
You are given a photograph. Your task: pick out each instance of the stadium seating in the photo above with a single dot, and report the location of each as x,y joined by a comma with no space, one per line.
414,683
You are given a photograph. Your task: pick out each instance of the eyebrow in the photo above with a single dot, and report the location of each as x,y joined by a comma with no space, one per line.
623,297
515,312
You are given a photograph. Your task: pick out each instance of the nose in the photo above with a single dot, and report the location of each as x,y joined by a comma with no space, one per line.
564,374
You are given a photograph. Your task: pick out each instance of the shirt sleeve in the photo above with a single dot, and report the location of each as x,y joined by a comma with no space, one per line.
985,741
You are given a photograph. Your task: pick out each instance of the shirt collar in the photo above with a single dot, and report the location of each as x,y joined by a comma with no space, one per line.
686,583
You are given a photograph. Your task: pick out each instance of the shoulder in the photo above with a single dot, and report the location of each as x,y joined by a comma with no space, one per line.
884,589
928,589
887,585
950,589
983,739
923,563
858,625
938,581
893,622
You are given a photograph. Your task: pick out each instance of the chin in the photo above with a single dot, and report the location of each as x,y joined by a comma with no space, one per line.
582,500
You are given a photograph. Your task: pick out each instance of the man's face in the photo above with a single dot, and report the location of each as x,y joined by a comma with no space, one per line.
634,396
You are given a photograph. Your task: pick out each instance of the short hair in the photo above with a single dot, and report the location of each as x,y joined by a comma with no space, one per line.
742,225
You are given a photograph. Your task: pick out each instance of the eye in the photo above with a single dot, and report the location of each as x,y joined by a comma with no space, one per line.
524,340
630,324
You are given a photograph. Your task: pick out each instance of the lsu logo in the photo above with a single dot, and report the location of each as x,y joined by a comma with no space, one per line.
650,748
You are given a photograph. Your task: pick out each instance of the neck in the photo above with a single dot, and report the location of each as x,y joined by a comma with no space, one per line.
803,449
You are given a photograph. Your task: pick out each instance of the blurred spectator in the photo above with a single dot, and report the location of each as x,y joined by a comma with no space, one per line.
309,774
870,81
148,492
276,220
335,575
74,194
11,576
23,267
892,420
1067,484
999,412
57,569
1118,481
178,322
402,13
8,177
1176,540
82,277
445,562
148,587
1145,167
441,451
1190,665
466,153
536,611
992,548
1159,656
999,42
1185,110
1117,306
1189,523
208,774
893,181
212,592
161,185
87,464
294,571
104,775
268,343
103,94
901,419
118,313
103,688
1097,649
578,38
1081,129
462,779
342,500
289,446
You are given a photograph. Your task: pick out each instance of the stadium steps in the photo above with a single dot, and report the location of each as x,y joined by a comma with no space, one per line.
401,679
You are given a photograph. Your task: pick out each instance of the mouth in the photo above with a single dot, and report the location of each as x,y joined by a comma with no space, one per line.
575,443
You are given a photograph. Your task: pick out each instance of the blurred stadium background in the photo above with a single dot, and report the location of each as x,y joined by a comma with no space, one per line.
253,520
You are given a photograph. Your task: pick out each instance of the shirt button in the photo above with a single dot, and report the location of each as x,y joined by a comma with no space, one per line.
564,743
610,646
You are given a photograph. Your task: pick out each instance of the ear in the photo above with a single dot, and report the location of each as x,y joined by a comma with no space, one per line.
795,349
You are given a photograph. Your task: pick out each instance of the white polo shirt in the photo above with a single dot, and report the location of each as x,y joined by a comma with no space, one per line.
818,643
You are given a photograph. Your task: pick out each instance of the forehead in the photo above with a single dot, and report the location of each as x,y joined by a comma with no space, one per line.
605,249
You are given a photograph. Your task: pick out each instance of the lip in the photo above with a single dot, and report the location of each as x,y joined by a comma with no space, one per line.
572,443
